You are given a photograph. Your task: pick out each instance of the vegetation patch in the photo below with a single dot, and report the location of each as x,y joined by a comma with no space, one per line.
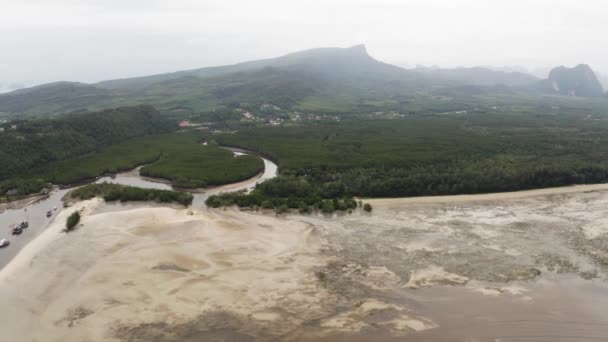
29,145
189,164
439,154
178,157
286,193
116,158
72,221
116,192
17,188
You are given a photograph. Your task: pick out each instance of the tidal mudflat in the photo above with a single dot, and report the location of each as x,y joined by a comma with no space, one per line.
475,268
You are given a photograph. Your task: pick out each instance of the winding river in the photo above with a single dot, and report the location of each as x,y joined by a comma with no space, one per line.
35,213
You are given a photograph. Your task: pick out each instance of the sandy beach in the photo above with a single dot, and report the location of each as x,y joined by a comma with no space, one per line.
477,268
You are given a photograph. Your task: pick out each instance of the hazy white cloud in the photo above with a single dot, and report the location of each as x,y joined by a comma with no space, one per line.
90,40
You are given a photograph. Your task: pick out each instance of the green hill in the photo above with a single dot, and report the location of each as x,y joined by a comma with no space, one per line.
308,77
59,97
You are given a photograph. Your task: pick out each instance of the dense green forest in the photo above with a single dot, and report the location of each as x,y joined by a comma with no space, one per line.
119,157
27,145
116,192
189,164
12,189
178,157
438,154
506,144
80,147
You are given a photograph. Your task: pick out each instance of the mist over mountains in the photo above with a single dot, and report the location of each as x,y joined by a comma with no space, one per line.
6,87
322,79
578,81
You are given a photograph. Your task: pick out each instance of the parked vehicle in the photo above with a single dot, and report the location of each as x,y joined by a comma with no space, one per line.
49,213
17,230
4,243
24,225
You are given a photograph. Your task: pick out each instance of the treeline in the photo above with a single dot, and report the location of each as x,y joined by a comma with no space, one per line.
116,192
437,155
285,193
27,145
15,188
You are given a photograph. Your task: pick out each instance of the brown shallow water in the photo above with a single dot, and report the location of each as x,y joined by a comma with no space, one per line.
520,268
558,308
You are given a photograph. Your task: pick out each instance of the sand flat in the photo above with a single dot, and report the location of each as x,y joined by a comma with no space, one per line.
464,270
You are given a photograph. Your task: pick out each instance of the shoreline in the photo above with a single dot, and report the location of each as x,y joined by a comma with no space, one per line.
385,203
493,196
194,264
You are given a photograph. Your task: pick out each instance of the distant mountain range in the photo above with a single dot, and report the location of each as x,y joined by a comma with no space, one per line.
324,79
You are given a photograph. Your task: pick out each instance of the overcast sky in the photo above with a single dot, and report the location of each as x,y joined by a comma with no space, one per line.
92,40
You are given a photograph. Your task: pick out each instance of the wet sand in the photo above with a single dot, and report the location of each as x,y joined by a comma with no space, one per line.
491,196
530,267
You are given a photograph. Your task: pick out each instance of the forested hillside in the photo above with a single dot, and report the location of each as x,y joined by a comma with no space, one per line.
53,98
26,145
